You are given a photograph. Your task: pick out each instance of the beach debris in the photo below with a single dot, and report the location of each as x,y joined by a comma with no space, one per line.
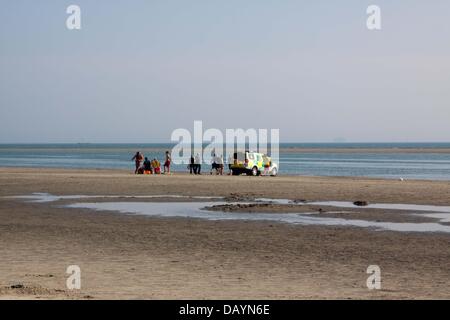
361,203
237,207
37,291
40,275
238,197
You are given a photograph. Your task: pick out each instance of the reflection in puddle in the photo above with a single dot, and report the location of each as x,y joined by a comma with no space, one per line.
194,210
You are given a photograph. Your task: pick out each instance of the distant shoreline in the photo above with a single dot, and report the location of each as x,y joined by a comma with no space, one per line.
284,149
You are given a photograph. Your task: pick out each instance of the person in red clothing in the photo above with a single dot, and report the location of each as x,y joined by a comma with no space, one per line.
156,166
138,157
167,163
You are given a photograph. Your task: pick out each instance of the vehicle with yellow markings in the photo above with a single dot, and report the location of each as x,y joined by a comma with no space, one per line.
253,163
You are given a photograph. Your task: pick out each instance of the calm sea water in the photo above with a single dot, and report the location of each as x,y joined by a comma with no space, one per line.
321,159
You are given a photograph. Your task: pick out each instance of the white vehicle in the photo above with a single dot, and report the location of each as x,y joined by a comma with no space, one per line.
253,163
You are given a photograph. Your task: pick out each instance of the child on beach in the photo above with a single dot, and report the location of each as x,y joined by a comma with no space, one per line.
147,166
156,166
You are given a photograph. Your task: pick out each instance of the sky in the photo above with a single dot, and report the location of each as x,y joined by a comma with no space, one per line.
139,69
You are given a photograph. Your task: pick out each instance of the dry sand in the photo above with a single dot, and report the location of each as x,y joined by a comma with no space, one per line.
123,256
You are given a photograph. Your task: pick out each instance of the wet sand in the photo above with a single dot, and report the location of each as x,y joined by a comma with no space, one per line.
126,256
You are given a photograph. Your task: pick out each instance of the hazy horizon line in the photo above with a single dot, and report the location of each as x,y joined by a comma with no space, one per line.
281,142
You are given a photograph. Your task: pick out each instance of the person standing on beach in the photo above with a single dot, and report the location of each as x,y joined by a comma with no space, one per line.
267,164
197,164
192,168
230,163
138,157
167,163
219,164
213,164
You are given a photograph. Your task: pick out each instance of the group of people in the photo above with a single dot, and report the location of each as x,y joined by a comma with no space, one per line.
145,166
195,166
217,164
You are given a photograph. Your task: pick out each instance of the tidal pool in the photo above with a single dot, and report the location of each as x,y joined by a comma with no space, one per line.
196,210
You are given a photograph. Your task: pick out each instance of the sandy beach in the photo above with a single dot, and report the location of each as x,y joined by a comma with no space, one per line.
124,256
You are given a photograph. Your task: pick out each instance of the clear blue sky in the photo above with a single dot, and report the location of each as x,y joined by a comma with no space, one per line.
139,69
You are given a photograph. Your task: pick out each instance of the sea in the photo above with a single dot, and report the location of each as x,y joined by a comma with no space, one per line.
427,161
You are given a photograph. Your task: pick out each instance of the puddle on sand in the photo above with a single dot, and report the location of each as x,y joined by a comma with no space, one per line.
347,204
442,213
194,210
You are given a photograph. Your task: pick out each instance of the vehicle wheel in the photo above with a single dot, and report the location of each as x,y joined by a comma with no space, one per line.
274,172
255,171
